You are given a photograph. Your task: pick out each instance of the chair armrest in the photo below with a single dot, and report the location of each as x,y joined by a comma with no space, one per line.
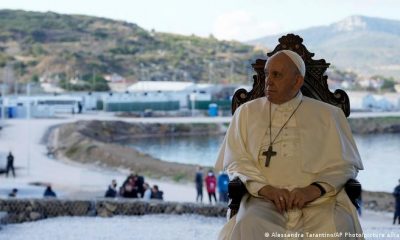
353,190
236,190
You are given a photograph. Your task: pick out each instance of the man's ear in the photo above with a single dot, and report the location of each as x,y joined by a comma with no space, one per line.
299,81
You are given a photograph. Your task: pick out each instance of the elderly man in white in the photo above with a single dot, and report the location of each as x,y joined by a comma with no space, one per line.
294,154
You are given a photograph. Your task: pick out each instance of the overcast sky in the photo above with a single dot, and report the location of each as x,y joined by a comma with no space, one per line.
226,19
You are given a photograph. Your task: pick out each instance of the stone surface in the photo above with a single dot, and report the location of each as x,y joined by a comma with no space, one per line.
23,210
35,216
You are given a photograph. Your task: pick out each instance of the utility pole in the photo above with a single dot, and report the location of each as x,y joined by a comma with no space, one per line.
231,72
210,72
3,93
141,72
93,80
8,77
68,80
16,88
28,94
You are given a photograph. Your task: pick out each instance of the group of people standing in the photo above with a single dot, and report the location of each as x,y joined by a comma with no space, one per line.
134,187
212,184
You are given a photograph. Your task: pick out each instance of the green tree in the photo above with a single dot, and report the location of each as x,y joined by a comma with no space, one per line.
388,84
35,78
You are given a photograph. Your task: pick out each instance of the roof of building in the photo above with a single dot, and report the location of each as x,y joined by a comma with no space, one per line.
150,86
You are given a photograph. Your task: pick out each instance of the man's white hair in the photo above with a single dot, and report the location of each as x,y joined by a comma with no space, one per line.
296,59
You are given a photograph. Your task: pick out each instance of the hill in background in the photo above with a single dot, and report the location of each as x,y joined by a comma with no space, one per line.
60,47
362,44
63,46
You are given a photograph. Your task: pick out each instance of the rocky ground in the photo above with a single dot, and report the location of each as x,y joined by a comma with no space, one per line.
378,201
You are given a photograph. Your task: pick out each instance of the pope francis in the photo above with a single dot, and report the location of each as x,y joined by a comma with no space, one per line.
294,154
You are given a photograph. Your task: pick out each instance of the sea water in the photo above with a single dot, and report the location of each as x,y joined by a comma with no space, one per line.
380,154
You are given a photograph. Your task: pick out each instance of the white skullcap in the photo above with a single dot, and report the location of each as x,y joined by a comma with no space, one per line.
297,60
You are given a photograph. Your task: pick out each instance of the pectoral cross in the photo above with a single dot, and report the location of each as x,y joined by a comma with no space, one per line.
268,154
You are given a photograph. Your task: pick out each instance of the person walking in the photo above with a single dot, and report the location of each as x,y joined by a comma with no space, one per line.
10,164
396,195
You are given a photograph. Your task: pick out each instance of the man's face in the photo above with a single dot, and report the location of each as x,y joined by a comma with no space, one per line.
282,80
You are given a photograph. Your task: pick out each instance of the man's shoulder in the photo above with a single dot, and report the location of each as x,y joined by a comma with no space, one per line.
320,105
251,107
255,103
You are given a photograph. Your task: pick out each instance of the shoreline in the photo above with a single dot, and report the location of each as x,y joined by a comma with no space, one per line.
93,137
86,143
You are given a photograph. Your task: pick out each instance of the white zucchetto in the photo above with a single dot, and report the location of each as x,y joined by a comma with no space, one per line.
296,59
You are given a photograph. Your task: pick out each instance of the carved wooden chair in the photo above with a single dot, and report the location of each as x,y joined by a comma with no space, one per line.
315,86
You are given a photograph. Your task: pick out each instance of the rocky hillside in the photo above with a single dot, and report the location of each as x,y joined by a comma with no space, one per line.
63,46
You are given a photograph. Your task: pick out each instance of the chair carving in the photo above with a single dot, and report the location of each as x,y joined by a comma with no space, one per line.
315,86
315,80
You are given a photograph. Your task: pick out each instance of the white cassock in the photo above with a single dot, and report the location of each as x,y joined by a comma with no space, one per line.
316,145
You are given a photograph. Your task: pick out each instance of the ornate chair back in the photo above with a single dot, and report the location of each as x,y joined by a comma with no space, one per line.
315,81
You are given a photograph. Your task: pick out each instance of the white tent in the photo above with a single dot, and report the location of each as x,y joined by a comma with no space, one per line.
376,102
154,86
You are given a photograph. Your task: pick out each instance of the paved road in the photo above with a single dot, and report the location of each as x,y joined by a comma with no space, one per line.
374,114
110,116
201,119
